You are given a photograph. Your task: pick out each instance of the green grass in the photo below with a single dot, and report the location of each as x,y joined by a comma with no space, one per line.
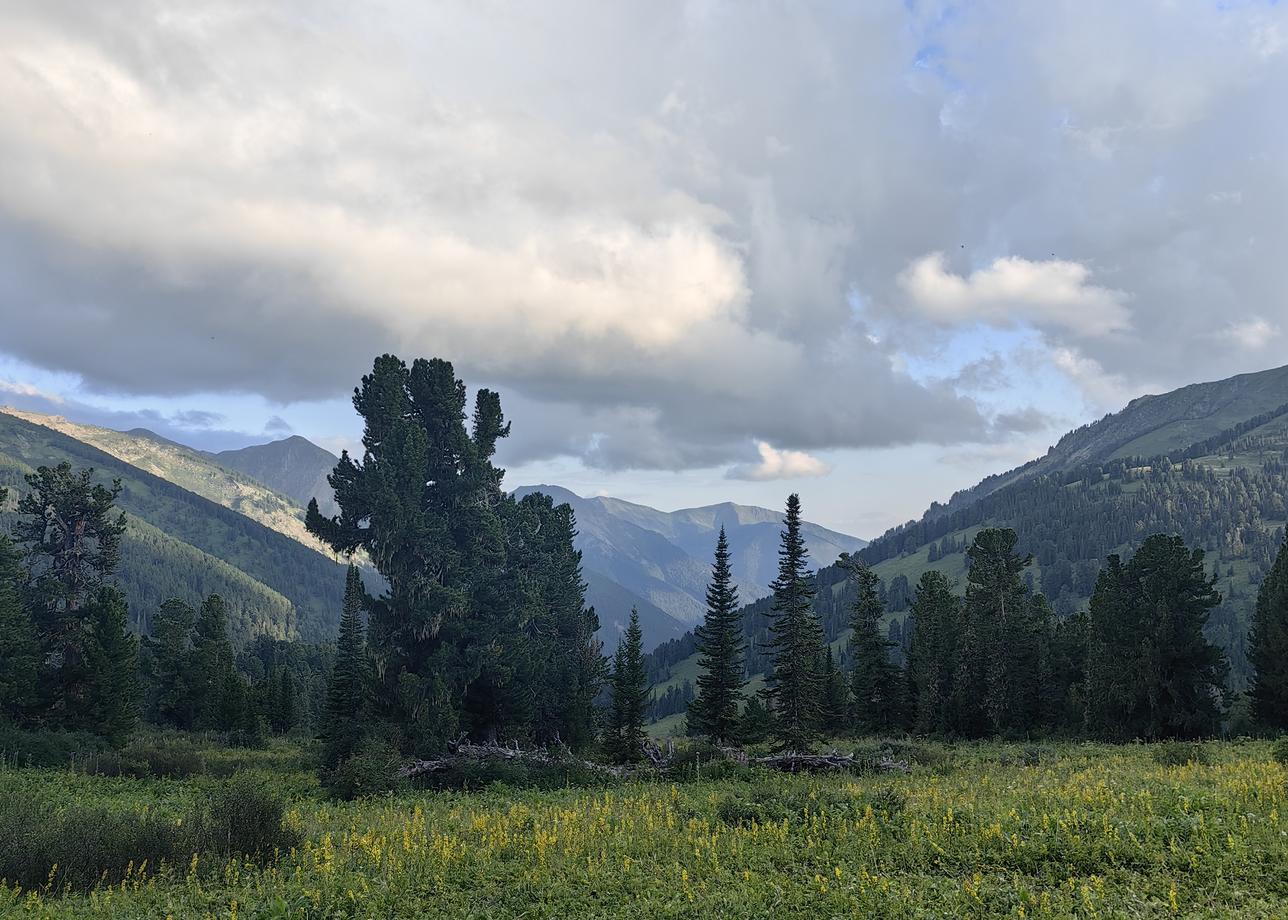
987,831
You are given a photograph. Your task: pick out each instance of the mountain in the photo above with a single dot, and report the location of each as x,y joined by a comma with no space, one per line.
613,604
179,543
189,469
665,557
294,466
1208,461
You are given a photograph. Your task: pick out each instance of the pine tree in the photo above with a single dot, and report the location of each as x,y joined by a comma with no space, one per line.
346,693
166,661
218,705
1151,672
630,696
112,667
756,722
834,713
1269,647
72,539
19,652
796,640
720,643
936,613
874,679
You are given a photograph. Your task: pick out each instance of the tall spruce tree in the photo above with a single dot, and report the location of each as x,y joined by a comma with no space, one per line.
793,684
19,652
932,655
218,694
112,667
1269,647
875,680
343,721
720,643
1151,673
834,710
625,741
167,665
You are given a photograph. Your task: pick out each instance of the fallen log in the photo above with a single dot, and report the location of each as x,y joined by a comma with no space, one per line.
465,752
794,762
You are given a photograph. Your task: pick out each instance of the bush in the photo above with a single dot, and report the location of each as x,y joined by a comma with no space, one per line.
470,775
22,748
246,819
1280,750
373,770
1179,753
702,761
770,802
80,846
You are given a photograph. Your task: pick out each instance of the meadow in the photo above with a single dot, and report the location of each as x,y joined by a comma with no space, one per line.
968,831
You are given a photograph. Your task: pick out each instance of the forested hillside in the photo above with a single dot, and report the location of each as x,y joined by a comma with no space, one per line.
1220,483
178,543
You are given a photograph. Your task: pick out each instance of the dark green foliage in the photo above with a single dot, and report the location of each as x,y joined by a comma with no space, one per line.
178,544
1151,673
372,769
1179,754
714,712
932,656
346,694
629,684
1280,751
112,666
167,662
482,628
834,710
875,681
91,844
797,639
756,722
19,652
218,689
1268,646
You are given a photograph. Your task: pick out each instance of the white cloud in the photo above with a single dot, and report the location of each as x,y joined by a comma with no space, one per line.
17,388
1252,334
780,464
1047,293
1104,391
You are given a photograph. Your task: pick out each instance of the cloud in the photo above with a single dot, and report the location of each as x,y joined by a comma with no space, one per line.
196,418
583,207
1252,334
1023,421
277,425
780,464
1102,390
17,388
1046,293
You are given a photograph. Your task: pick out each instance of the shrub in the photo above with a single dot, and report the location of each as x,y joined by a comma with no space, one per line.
1280,750
45,748
246,819
373,770
1179,753
80,846
702,761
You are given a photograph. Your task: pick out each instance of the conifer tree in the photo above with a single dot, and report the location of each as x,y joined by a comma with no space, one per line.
932,654
630,696
1269,647
793,685
874,678
167,663
72,538
756,722
834,712
720,643
19,652
346,693
1151,673
218,704
112,665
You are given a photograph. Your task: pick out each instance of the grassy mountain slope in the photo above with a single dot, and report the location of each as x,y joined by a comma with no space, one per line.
294,466
188,469
665,557
191,543
613,604
1209,462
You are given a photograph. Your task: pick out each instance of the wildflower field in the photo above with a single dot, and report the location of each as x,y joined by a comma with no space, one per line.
972,831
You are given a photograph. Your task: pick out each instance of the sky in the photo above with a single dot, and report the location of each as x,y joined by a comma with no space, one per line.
706,251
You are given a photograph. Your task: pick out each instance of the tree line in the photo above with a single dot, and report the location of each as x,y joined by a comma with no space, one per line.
69,660
996,662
